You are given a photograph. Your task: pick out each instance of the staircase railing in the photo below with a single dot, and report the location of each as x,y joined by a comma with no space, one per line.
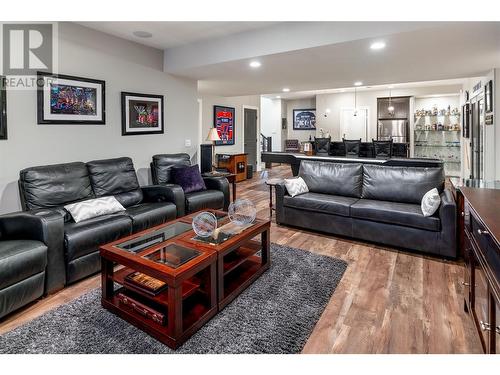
266,145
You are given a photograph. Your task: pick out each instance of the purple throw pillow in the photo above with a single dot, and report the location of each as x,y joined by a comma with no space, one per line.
189,178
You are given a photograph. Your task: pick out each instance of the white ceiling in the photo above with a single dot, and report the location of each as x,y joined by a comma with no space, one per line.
316,56
455,51
173,34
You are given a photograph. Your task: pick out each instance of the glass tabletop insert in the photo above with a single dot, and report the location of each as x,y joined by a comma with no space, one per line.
173,255
150,239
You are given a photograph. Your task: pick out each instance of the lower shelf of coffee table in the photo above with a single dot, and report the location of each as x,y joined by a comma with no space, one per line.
236,258
240,275
189,287
194,308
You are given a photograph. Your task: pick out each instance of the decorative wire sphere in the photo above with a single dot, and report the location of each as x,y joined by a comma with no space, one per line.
242,212
204,224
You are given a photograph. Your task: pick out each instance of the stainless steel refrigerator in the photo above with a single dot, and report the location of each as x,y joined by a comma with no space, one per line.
397,130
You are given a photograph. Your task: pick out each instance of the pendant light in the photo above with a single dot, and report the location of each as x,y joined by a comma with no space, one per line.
355,103
390,108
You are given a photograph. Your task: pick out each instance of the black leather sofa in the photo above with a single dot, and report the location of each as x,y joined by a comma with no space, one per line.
216,196
374,203
23,260
74,247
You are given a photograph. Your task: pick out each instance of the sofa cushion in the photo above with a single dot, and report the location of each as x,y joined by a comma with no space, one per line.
21,259
201,200
400,184
162,165
188,178
115,177
405,214
86,236
93,208
54,185
332,178
147,215
316,202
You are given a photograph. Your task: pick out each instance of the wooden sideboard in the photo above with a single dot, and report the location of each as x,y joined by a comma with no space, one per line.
234,163
480,242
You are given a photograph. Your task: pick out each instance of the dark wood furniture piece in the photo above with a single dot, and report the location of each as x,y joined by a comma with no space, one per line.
238,264
231,177
197,277
480,242
190,298
272,182
235,164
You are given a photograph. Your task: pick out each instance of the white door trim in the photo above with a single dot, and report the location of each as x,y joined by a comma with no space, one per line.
200,130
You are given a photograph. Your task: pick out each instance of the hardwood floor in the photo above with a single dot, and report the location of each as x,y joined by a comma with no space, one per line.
388,301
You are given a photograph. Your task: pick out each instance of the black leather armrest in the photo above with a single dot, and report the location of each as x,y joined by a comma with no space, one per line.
166,193
42,225
280,190
448,216
221,184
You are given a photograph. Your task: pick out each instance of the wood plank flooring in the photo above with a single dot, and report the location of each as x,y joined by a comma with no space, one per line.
388,301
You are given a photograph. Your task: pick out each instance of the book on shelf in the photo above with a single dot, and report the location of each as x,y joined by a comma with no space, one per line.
145,283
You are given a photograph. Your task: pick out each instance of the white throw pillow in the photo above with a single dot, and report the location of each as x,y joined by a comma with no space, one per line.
296,186
93,207
430,202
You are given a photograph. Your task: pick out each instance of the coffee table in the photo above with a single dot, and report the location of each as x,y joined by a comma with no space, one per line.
195,277
189,296
241,257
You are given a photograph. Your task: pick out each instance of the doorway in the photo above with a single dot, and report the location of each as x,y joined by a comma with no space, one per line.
250,135
354,123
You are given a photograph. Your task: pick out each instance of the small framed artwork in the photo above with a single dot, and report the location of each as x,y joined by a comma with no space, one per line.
224,122
488,97
70,100
304,119
142,114
3,109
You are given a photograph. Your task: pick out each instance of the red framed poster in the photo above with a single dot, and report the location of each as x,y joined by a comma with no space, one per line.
224,123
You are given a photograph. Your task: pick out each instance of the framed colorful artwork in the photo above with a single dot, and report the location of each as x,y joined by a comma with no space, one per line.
70,100
304,119
3,109
224,122
142,114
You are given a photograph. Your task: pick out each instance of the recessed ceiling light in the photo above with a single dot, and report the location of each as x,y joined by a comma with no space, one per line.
377,45
142,34
358,83
286,89
255,64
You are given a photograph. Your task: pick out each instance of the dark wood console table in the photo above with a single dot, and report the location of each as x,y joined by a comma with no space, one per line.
480,241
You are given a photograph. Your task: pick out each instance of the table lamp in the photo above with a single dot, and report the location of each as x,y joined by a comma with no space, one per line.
213,136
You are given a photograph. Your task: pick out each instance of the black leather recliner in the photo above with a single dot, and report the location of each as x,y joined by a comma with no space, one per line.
74,247
374,203
216,196
24,243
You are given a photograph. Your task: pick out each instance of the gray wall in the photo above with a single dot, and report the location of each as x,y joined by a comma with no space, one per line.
301,135
125,66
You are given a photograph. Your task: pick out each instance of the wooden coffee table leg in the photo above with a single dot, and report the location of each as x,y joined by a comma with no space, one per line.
175,311
106,278
213,284
266,247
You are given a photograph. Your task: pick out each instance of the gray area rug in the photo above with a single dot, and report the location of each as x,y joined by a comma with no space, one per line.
276,314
